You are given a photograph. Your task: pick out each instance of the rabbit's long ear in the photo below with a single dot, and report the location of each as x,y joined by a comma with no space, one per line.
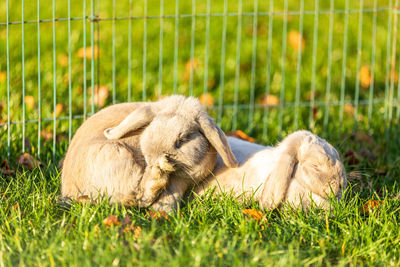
135,120
217,139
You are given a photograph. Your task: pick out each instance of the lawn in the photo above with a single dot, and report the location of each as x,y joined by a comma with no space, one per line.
45,108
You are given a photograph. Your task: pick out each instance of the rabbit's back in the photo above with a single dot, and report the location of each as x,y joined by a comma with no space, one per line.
94,164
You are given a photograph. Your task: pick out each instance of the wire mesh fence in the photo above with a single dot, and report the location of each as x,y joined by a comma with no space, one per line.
266,67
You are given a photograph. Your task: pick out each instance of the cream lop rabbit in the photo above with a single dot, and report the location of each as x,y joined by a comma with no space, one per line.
131,151
301,169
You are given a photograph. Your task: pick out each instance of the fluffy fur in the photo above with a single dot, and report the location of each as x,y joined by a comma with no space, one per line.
302,169
130,152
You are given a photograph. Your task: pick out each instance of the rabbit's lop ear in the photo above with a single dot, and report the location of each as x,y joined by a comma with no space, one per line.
135,120
217,139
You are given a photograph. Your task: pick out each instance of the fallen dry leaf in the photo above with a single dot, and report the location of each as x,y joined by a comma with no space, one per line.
59,109
365,76
351,157
61,163
371,205
349,109
157,215
27,160
88,51
192,64
295,40
135,230
241,135
363,137
111,220
62,59
83,199
5,168
100,95
270,100
47,135
206,100
29,101
252,213
3,76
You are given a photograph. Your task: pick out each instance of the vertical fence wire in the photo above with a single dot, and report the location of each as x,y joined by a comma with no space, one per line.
268,74
39,80
144,50
359,51
282,96
84,60
113,54
328,77
388,49
222,68
344,59
237,70
160,53
373,52
69,75
8,83
176,45
206,52
298,75
54,82
92,67
192,44
253,66
130,52
23,76
393,61
314,64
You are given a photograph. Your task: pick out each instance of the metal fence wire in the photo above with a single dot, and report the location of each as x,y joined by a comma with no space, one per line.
264,67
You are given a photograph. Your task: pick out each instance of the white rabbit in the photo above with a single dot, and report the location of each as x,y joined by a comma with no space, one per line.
301,169
131,151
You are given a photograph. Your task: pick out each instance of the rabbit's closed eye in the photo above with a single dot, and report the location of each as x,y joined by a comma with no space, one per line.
184,139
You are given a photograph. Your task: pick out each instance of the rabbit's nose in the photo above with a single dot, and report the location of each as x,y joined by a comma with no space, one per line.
165,165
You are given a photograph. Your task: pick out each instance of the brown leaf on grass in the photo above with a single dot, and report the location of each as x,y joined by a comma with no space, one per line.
206,100
192,64
59,109
28,145
314,112
270,100
100,95
349,109
157,215
241,135
83,199
365,76
5,168
296,39
111,220
88,51
61,163
371,205
363,137
28,161
3,76
135,230
351,157
29,101
62,59
47,135
252,213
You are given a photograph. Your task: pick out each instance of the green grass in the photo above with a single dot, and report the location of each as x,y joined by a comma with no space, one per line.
207,231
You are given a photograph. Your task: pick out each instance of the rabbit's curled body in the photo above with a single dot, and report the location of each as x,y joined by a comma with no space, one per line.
130,152
95,165
302,169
